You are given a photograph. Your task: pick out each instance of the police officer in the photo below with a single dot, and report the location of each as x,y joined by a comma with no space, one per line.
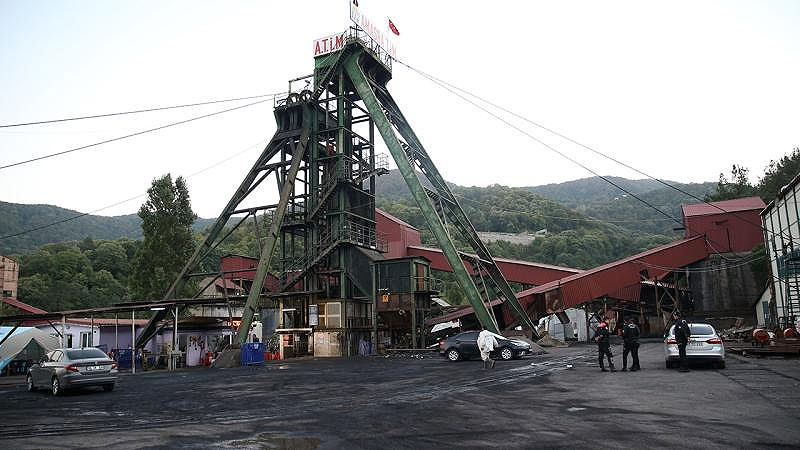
603,339
682,334
630,337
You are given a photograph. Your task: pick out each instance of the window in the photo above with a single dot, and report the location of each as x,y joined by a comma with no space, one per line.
701,329
6,293
86,339
86,353
68,343
330,315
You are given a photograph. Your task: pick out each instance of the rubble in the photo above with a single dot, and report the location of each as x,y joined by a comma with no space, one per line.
546,340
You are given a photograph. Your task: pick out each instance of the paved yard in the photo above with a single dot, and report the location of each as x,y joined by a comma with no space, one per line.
395,403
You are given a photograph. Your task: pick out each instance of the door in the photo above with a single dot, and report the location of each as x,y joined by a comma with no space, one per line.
41,374
468,344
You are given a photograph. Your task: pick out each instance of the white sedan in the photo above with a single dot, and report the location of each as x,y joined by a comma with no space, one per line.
705,345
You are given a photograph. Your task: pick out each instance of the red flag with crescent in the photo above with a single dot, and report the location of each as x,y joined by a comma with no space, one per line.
393,28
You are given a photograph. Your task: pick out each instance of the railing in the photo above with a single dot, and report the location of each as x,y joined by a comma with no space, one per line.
297,87
410,284
370,44
364,235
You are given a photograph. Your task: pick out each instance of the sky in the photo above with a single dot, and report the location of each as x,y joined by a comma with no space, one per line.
680,90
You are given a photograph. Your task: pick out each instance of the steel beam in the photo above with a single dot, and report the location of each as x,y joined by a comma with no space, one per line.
269,246
366,93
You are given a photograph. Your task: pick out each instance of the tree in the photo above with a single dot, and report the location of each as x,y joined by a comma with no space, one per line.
167,220
738,186
778,174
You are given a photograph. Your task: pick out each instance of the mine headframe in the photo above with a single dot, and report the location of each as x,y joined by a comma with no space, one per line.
323,159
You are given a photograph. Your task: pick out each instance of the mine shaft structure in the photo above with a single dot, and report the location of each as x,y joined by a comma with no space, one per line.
321,237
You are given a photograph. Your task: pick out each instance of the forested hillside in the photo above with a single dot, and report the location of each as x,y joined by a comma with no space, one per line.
572,239
15,218
599,199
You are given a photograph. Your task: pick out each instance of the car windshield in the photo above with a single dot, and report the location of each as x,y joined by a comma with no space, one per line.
85,353
701,329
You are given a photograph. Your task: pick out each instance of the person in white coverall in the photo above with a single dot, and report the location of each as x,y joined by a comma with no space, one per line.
486,344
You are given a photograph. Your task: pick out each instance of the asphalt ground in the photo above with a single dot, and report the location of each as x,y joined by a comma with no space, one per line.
398,403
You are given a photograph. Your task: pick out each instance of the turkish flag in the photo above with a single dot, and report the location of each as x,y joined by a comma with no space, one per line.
393,28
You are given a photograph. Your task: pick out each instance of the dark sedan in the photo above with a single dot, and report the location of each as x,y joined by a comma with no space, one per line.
66,368
465,346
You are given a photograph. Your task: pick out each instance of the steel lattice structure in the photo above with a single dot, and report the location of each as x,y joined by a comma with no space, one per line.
323,158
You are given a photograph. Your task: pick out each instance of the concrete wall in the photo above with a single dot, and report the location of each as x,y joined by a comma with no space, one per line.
725,289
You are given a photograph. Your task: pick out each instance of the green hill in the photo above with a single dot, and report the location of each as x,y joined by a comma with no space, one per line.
572,238
15,218
598,199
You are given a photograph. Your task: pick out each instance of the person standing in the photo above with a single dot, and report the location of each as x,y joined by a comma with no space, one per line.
486,344
630,337
682,334
603,339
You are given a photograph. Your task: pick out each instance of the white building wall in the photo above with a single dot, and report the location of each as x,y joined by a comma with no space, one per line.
72,332
782,235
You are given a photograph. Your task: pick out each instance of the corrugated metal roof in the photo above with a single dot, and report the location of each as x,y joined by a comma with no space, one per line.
508,261
588,273
737,204
23,306
394,219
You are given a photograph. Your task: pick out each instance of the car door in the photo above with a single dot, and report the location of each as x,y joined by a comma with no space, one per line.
468,344
38,371
51,366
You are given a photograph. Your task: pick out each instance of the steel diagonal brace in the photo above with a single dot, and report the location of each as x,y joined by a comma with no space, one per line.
269,246
460,219
374,106
247,185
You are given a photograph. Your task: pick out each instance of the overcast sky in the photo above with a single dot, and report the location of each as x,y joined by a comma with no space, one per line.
680,90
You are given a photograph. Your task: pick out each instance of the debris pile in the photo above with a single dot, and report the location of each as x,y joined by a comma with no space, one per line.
548,341
229,357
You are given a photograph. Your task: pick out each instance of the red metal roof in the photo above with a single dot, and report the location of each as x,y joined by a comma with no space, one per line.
513,270
23,306
394,219
737,204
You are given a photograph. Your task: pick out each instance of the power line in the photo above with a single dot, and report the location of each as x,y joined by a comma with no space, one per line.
83,147
595,151
78,216
159,108
553,149
576,219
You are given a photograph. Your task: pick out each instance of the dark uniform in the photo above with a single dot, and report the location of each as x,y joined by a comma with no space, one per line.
630,336
682,334
602,336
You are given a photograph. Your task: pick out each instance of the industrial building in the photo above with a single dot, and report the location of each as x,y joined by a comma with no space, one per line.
780,305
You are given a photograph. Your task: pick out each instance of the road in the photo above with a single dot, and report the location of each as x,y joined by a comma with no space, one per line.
535,402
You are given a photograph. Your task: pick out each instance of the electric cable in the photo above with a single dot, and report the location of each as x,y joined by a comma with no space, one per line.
78,216
560,153
138,133
137,111
597,152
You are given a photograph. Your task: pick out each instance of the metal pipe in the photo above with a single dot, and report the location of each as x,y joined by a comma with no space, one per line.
63,331
133,341
116,330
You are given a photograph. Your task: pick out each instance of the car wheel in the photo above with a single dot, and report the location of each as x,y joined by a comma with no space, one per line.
453,355
29,384
506,354
108,387
55,387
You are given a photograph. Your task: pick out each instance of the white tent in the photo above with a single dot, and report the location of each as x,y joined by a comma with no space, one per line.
28,345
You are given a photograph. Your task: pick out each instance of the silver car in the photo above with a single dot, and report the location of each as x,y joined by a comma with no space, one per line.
704,345
66,368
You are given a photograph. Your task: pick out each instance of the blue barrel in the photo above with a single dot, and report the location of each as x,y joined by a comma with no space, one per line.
124,358
253,353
